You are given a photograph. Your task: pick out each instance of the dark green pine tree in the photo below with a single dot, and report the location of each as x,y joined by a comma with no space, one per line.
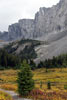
4,58
33,65
25,81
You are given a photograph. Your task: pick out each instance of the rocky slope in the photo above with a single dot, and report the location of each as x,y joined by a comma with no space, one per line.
25,49
51,49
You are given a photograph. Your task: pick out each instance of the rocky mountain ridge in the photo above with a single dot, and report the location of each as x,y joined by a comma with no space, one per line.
47,21
49,26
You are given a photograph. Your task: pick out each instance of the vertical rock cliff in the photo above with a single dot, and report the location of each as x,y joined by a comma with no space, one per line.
47,21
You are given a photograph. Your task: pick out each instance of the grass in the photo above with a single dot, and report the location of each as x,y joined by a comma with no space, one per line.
57,77
5,96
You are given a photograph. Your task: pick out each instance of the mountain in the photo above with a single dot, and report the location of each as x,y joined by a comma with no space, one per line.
47,21
49,26
4,36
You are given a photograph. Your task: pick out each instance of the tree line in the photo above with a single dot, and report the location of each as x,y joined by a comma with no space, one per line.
55,62
8,60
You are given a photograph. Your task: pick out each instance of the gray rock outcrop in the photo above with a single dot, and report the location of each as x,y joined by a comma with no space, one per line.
23,29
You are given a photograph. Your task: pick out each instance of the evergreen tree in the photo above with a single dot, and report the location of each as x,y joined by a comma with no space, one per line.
49,85
4,58
32,64
41,64
25,81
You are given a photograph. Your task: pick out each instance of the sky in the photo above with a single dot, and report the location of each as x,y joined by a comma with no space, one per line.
13,10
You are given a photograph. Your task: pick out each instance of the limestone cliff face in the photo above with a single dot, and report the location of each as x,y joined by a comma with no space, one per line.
23,29
46,21
50,20
14,31
27,27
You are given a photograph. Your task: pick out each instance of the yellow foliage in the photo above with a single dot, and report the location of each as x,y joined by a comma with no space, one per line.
5,96
11,87
9,77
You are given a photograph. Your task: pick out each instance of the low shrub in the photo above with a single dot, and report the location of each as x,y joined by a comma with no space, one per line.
37,94
65,87
5,96
49,85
